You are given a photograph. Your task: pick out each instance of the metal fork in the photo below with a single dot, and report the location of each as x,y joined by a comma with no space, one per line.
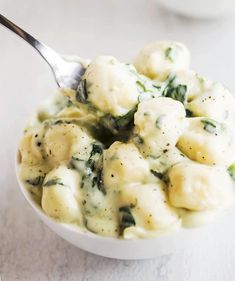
67,74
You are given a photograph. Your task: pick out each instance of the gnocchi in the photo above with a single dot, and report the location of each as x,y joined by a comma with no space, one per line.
60,195
198,187
136,151
158,59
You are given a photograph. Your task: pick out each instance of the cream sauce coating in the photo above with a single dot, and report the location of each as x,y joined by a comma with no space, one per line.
137,151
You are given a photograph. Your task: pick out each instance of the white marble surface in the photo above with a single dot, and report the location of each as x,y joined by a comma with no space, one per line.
29,251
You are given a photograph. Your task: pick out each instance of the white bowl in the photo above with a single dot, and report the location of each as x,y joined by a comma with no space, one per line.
134,249
200,8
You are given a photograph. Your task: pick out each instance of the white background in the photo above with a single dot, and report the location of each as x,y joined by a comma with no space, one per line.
28,249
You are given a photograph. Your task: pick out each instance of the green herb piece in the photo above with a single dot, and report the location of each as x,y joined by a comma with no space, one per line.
38,181
121,123
169,54
211,126
59,122
92,169
158,87
159,121
126,218
82,93
189,113
77,163
171,79
125,120
231,171
69,103
95,160
77,159
148,88
145,85
98,181
90,164
52,182
94,180
96,148
176,92
160,176
141,86
138,139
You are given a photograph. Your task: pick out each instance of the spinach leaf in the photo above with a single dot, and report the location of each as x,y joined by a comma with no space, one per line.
59,122
143,83
169,54
138,139
141,86
159,121
38,181
98,181
148,90
160,176
121,123
96,148
77,164
91,168
53,122
55,181
231,171
126,218
125,120
90,164
176,92
212,126
189,113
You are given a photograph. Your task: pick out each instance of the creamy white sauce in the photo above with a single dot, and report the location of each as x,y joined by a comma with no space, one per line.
134,153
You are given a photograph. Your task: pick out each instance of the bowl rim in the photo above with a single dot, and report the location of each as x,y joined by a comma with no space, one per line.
75,229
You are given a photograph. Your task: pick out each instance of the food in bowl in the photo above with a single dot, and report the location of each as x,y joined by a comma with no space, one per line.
136,151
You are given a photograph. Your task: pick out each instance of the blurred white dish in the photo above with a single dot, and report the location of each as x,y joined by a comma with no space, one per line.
133,249
200,8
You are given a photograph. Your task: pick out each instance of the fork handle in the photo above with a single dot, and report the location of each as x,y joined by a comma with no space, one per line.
47,53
